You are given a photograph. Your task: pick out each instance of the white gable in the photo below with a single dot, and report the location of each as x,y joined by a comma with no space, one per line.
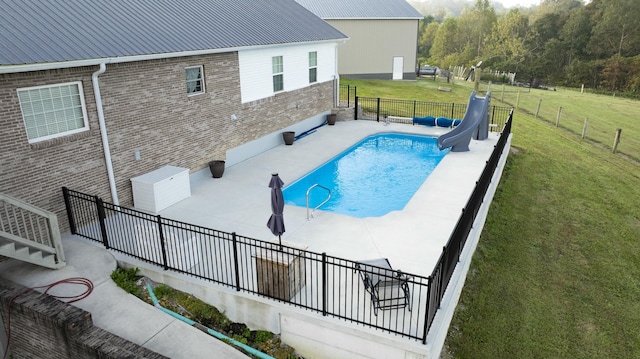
256,76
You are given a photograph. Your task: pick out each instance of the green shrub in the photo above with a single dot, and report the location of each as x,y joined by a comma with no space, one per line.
126,279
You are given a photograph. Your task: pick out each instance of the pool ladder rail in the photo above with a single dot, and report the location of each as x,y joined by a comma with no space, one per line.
310,214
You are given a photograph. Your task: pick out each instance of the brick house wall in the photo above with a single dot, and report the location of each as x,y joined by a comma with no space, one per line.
146,109
44,327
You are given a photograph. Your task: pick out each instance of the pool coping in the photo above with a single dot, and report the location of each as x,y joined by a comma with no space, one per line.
412,239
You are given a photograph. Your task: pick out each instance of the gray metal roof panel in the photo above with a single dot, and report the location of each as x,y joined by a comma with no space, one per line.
41,31
362,9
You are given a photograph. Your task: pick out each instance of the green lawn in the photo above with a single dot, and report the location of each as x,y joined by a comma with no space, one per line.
557,270
605,114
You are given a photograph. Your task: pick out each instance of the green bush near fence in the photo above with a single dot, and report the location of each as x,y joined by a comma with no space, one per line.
557,270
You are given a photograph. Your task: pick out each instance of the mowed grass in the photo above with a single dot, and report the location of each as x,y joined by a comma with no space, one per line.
557,271
605,114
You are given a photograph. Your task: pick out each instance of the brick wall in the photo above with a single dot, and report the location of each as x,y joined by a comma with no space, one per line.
35,173
44,327
146,109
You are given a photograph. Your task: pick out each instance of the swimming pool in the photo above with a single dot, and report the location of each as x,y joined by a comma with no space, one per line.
375,176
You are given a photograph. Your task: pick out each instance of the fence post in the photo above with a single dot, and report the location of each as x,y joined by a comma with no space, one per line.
355,108
453,106
493,115
378,110
558,116
67,205
425,329
538,110
584,128
324,284
162,243
348,95
616,140
235,260
101,218
414,108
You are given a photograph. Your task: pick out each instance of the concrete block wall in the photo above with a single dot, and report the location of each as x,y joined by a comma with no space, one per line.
44,327
146,110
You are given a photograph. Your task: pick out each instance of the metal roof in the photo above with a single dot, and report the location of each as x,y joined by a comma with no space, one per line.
49,31
362,9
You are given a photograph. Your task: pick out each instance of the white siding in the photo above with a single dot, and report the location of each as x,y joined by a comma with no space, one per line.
255,68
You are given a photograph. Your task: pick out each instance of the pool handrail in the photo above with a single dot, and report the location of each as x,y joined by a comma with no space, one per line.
310,215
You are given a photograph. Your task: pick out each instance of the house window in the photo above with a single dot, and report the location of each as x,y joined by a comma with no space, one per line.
195,80
278,76
53,111
313,67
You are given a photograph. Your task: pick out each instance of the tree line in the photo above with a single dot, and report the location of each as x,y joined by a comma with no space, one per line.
559,42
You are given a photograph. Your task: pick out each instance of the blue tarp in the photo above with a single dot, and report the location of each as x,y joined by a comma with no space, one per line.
433,121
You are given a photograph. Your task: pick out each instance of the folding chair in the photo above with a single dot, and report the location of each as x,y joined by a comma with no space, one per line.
388,288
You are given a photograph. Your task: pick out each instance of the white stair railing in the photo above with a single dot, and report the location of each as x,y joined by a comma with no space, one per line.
29,233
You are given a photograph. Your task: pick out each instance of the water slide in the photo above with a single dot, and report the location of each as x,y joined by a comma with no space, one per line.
474,123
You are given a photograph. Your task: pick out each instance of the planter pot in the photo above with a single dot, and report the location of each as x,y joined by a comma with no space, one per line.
331,119
288,137
216,168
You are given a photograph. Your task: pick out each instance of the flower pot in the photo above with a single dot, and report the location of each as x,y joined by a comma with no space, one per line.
216,168
288,137
331,119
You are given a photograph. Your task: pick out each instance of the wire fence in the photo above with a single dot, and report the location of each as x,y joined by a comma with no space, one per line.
614,136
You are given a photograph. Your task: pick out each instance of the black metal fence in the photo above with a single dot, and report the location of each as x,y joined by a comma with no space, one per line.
347,95
403,111
315,281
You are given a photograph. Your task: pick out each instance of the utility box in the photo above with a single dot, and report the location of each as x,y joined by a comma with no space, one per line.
281,274
159,189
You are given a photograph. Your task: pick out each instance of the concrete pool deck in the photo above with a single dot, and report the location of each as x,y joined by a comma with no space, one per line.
412,239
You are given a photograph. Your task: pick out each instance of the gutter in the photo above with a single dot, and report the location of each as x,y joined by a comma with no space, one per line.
103,132
8,69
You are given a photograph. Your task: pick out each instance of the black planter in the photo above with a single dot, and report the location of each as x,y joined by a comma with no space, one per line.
288,137
216,168
331,119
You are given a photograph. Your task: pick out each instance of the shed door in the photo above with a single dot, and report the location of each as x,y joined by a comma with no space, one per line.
398,63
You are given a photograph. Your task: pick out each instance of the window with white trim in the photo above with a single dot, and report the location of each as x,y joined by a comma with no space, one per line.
195,80
278,73
53,111
313,67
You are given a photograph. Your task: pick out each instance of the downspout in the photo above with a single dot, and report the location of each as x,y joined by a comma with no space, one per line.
336,79
103,132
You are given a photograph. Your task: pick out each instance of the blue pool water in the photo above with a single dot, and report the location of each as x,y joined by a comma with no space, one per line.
372,178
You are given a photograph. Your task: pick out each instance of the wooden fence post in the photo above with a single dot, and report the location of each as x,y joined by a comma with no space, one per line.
558,116
616,141
538,110
584,128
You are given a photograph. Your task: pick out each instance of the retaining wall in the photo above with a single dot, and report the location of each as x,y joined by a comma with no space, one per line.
45,327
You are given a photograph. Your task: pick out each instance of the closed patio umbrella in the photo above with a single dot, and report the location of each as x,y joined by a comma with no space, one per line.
276,221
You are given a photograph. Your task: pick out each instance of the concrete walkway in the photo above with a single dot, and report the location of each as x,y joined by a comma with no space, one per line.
113,309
